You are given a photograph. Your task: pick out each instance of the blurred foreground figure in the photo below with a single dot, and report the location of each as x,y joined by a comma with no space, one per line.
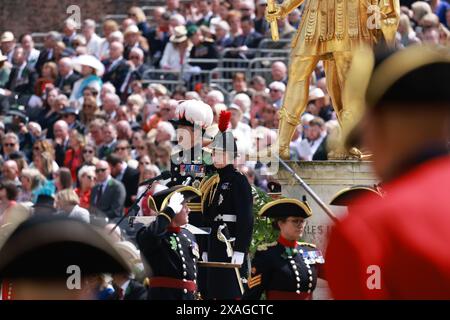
397,247
55,259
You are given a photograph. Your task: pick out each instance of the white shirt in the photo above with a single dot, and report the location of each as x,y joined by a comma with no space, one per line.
94,45
171,58
33,57
306,149
122,172
125,287
104,49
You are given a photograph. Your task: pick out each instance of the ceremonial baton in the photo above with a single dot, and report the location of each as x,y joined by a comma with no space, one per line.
309,190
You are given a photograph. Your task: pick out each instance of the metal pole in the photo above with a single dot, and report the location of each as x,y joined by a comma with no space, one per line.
309,190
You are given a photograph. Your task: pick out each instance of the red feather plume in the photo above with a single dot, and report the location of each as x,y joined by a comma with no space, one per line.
224,120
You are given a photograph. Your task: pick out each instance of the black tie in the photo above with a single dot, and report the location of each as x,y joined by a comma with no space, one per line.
99,195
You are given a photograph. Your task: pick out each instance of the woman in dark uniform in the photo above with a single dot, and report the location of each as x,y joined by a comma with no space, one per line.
286,269
171,251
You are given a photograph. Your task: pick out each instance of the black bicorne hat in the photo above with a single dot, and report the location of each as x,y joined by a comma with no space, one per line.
44,247
160,200
286,207
347,196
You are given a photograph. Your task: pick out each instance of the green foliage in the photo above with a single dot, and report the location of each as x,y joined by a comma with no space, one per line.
262,228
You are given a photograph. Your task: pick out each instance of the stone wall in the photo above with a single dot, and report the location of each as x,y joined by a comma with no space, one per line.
20,16
326,178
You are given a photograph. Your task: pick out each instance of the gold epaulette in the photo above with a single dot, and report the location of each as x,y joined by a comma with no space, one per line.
265,246
312,245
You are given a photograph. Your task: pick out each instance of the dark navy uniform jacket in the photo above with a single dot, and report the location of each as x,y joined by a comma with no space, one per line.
232,205
284,272
171,253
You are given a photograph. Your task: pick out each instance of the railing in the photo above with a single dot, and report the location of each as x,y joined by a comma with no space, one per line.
39,38
220,76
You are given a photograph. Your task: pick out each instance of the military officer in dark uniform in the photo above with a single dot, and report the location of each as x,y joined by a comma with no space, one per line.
228,208
286,269
171,251
189,163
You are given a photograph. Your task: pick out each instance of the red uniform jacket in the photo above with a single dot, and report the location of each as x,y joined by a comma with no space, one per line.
406,235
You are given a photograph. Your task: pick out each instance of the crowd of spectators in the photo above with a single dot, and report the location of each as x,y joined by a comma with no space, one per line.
82,113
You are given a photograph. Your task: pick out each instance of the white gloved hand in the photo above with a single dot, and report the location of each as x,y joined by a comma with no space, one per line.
238,257
175,202
205,256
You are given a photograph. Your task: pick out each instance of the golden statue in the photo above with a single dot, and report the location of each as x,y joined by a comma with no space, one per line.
330,30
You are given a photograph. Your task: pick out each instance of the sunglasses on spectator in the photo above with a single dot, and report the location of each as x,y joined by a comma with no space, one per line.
134,57
88,151
274,90
140,148
9,144
100,170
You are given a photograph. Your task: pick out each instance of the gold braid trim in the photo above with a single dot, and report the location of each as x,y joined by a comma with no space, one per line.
165,215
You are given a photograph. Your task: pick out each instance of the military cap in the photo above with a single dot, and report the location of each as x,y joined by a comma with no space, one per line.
43,247
274,189
159,201
193,112
346,196
286,207
224,139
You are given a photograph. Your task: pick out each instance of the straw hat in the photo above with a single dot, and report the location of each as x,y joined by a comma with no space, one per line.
133,29
180,34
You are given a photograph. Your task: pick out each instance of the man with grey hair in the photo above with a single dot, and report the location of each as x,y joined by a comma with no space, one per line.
10,144
137,71
279,72
61,133
93,41
111,103
116,67
124,131
11,172
69,31
164,132
214,97
66,76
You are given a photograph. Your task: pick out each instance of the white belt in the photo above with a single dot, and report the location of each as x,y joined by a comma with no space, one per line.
225,217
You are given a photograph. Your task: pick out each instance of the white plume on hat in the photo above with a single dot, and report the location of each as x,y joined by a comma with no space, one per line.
196,112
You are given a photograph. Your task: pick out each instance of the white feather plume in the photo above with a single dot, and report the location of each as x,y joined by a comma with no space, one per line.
196,112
